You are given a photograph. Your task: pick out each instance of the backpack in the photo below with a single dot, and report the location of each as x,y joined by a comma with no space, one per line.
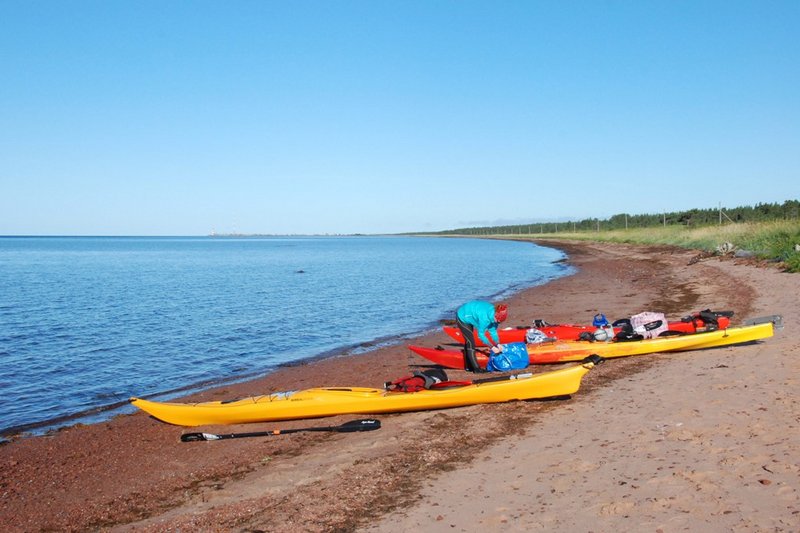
649,318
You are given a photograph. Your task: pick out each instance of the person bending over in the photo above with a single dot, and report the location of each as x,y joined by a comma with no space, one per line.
481,316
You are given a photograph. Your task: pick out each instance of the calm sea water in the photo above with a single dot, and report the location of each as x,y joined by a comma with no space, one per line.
86,322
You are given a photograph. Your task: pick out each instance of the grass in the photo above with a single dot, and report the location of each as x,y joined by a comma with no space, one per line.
772,241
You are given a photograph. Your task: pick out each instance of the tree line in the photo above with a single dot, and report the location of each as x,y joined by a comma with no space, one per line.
762,212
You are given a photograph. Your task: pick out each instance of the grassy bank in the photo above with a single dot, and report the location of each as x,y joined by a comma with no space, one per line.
774,241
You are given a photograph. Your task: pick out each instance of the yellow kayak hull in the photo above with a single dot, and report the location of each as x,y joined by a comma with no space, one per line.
577,350
735,335
566,351
330,401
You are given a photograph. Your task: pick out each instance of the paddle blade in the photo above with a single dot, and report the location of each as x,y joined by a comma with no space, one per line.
367,424
777,321
193,437
594,359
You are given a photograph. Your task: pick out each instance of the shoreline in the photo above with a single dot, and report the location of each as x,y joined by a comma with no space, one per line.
102,413
133,473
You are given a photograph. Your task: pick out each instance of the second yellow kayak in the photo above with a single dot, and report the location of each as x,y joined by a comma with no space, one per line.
564,351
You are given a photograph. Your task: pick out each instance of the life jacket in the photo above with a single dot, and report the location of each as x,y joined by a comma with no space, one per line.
417,381
434,378
709,318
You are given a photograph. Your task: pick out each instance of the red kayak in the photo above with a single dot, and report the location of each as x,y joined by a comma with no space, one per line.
572,332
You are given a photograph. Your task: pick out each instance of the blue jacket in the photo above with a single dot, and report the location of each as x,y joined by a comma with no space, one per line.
480,315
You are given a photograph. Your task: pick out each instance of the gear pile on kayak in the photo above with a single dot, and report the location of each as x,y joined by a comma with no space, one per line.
699,322
432,390
621,345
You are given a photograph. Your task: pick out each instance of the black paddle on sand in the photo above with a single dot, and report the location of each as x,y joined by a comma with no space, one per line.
367,424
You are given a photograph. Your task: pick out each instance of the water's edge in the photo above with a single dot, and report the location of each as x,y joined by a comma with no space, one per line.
121,406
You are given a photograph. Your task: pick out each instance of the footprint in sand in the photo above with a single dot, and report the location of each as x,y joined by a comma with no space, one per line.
616,508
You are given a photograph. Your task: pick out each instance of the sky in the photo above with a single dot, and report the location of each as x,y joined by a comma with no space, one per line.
328,117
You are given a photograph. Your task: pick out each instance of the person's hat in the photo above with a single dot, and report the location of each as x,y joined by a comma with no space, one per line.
500,312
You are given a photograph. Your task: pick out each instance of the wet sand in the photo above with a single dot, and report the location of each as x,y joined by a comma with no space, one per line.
698,440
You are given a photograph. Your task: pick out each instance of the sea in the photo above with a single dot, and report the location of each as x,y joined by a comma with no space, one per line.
87,322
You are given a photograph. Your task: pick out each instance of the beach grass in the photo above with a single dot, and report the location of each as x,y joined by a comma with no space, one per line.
772,241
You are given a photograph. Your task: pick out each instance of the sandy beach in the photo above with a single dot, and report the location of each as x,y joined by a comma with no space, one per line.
701,441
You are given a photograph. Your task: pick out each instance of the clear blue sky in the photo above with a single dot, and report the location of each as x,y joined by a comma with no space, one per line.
182,118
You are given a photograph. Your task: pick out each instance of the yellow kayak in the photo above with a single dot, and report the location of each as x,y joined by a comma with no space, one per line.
564,351
332,401
735,335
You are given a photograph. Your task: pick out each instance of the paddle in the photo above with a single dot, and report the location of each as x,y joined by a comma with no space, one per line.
451,384
367,424
594,359
501,378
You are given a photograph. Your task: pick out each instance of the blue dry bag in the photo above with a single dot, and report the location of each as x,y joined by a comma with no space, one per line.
513,357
